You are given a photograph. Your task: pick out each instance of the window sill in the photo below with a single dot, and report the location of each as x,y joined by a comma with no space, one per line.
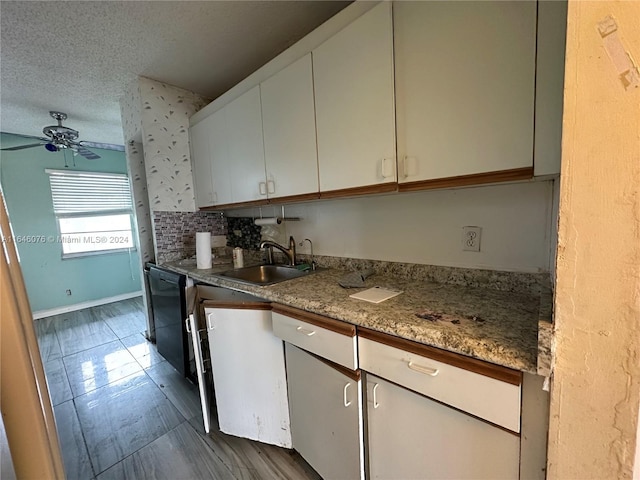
69,256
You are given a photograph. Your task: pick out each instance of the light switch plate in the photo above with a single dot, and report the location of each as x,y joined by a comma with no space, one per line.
471,238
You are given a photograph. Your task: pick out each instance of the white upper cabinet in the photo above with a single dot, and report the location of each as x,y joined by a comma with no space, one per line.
228,156
199,136
465,79
289,127
245,150
217,134
353,81
552,32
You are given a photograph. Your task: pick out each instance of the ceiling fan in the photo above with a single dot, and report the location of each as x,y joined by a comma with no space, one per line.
59,137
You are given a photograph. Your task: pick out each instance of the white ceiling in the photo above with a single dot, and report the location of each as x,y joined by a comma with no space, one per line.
78,56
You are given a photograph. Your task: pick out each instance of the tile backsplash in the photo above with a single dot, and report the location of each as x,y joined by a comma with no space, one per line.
175,232
243,233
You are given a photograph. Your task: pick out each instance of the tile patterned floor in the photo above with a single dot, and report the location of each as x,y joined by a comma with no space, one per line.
124,413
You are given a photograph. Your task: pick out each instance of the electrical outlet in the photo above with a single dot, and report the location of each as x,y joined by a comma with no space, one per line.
471,238
218,241
69,292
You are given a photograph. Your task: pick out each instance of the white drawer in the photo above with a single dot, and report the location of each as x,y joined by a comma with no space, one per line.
327,338
497,401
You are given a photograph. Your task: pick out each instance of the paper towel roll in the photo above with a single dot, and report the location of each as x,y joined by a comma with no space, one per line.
268,221
203,249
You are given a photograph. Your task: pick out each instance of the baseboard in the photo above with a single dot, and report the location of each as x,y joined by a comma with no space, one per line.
79,306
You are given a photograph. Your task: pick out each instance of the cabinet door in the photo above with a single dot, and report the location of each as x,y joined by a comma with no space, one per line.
202,162
552,32
353,81
219,148
326,416
413,437
289,127
245,155
465,76
249,376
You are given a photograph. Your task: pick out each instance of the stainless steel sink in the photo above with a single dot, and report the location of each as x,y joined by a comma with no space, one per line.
264,274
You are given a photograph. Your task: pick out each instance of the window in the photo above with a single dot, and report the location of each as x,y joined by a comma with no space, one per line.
93,211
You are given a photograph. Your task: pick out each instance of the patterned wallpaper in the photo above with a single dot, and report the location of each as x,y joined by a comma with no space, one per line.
157,115
165,136
176,232
130,112
135,166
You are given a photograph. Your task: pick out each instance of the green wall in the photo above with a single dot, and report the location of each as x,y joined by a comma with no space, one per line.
28,195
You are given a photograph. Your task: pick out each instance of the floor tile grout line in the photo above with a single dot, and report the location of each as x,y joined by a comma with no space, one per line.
106,384
84,350
82,427
143,446
161,388
210,447
216,447
84,440
110,383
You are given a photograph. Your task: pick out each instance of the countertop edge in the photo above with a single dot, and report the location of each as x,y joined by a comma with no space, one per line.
510,360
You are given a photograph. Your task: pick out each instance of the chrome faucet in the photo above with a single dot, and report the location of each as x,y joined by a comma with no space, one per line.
313,262
290,252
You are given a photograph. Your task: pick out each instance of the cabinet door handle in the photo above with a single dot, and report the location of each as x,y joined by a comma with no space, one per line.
210,324
200,359
271,186
375,396
387,168
432,372
344,394
409,166
263,188
307,332
187,325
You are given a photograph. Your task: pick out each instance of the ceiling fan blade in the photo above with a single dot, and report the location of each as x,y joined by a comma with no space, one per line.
86,153
104,146
21,147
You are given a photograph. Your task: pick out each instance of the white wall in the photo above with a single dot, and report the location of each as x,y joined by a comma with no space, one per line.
426,227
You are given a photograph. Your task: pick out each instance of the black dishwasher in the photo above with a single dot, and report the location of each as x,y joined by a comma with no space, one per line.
168,301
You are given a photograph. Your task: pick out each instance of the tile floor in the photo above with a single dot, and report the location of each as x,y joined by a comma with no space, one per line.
123,412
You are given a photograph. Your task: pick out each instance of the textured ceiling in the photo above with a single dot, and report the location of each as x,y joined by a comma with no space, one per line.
78,56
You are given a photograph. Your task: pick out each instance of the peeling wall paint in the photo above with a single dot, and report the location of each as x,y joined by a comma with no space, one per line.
595,396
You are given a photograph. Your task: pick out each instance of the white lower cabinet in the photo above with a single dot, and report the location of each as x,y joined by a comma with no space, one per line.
417,412
413,437
326,415
249,375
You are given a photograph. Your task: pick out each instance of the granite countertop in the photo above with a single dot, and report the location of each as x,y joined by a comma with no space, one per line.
495,326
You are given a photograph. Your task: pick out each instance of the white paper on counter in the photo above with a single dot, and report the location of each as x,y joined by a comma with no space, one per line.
375,294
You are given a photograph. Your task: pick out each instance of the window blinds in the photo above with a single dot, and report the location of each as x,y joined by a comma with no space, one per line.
76,192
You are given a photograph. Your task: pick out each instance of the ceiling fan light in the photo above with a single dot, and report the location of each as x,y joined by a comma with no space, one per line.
51,147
